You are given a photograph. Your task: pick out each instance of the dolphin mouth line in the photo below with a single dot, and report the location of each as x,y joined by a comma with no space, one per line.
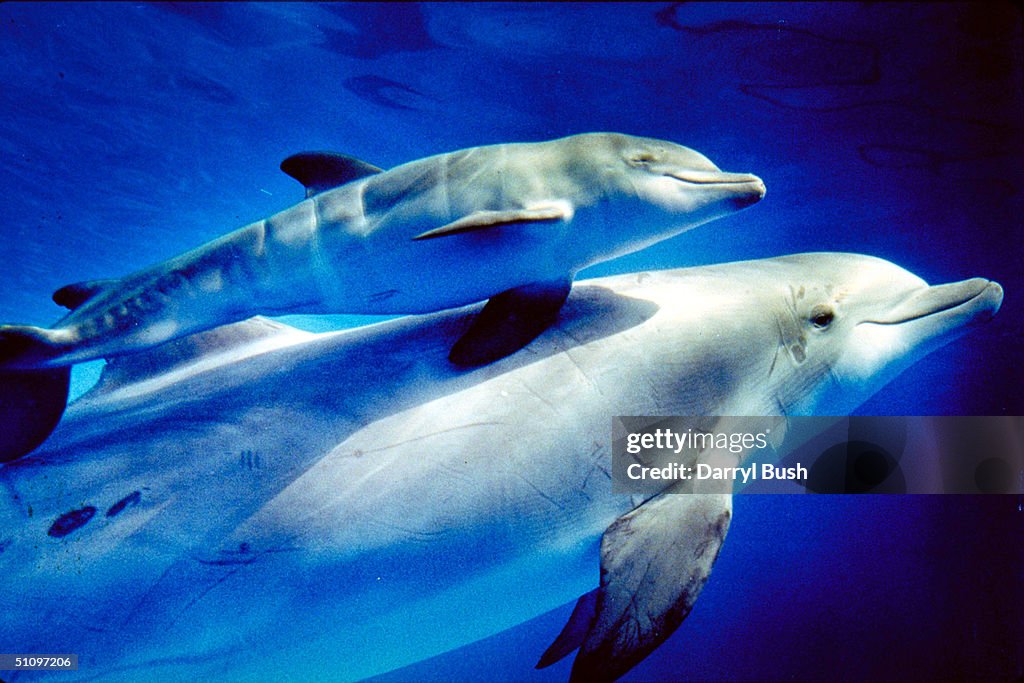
715,178
950,305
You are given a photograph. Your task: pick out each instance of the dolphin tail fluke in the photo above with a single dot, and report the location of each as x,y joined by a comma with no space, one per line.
32,400
31,405
24,346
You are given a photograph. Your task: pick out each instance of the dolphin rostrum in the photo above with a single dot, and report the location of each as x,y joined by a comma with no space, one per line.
512,222
208,491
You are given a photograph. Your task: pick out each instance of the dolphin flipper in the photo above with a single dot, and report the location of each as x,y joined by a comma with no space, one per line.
510,321
574,632
654,563
31,404
483,220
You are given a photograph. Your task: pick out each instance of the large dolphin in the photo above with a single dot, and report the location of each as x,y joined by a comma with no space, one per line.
512,222
256,502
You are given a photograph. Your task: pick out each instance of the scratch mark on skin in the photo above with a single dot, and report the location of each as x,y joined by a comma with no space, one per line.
571,334
798,353
454,472
237,566
12,493
243,556
358,453
782,341
781,408
834,378
206,592
568,353
541,493
411,533
531,390
595,465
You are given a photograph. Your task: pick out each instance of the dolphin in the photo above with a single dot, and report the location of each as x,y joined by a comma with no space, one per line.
511,222
258,502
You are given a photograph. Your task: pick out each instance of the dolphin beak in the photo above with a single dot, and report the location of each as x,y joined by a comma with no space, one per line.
746,188
953,305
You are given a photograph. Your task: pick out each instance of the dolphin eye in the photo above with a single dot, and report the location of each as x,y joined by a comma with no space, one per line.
822,316
641,159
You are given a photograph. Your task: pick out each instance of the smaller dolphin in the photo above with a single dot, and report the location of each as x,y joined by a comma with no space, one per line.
512,222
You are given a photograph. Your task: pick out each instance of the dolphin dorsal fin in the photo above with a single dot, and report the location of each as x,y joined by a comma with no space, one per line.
322,171
135,367
74,295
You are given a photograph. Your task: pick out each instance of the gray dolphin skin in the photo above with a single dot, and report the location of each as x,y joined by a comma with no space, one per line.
212,489
511,222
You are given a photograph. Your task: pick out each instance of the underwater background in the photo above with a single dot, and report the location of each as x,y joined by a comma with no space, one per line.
132,132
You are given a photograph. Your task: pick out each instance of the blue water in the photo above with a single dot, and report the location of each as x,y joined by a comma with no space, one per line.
131,132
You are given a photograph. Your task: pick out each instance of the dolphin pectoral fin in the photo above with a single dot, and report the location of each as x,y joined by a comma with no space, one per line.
574,631
31,404
510,321
74,295
654,563
481,220
322,171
